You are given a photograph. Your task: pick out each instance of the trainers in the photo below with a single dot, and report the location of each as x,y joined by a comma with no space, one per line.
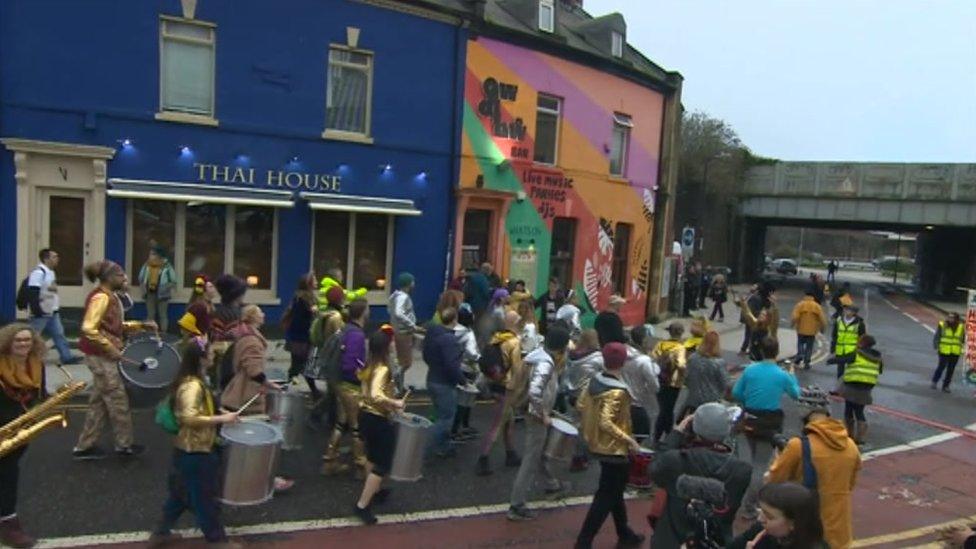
512,459
946,390
88,454
520,513
366,515
131,450
632,539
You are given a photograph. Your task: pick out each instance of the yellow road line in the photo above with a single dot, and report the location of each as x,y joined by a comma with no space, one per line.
913,533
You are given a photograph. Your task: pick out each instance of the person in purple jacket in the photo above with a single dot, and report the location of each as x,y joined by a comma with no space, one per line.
349,392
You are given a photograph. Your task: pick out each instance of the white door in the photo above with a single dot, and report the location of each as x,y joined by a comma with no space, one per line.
65,225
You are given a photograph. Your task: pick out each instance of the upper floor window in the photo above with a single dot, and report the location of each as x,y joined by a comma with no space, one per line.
621,250
186,52
616,44
350,91
619,142
547,16
546,129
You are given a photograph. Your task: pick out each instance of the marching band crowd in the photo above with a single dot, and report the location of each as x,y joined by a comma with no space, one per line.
725,474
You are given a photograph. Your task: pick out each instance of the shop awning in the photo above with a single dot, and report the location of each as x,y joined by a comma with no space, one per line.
366,204
187,192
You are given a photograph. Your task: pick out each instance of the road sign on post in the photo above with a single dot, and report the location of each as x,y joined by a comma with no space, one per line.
687,242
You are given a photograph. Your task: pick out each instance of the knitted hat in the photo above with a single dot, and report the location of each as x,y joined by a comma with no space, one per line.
813,400
712,422
335,296
230,288
200,283
404,279
189,323
499,294
557,338
614,355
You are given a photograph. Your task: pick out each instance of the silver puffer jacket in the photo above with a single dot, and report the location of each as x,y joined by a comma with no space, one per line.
402,317
640,373
579,371
543,382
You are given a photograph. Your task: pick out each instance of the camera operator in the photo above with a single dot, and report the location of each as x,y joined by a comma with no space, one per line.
696,448
829,465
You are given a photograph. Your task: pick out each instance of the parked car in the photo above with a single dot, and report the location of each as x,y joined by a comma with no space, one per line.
785,266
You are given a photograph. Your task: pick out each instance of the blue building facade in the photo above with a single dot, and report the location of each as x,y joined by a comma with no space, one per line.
260,138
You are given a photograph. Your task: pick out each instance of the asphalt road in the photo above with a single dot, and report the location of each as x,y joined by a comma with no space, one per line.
60,497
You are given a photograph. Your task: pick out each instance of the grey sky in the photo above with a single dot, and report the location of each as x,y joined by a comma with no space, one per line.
864,80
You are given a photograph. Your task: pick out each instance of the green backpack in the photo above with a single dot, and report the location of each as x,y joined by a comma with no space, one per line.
165,417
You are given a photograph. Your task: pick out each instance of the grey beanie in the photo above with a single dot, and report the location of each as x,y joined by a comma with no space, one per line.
712,422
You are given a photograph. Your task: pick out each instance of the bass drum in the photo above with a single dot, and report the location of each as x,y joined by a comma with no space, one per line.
149,366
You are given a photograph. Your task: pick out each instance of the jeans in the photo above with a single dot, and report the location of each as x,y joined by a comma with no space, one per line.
444,398
156,306
667,397
717,310
947,363
760,454
608,499
193,485
804,347
51,325
532,461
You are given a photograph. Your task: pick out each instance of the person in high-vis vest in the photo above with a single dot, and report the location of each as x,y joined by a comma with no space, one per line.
948,342
847,330
860,377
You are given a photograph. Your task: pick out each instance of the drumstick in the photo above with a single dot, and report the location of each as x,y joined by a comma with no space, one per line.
248,403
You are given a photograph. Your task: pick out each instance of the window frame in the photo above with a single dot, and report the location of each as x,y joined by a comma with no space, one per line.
176,115
622,260
559,126
373,297
183,294
550,25
342,135
625,121
616,44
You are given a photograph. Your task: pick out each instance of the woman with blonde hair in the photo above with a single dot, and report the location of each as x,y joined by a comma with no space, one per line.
706,378
22,351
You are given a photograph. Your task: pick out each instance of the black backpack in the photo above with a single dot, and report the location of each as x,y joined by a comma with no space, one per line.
325,361
492,363
23,297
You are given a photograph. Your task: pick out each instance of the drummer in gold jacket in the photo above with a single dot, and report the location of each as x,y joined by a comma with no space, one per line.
605,408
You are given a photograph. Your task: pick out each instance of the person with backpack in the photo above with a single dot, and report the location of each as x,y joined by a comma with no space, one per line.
501,363
225,320
194,476
157,278
325,337
696,448
824,459
443,355
40,297
604,405
349,393
670,357
545,365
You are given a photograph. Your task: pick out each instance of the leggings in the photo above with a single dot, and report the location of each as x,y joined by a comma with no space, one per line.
853,411
666,398
502,422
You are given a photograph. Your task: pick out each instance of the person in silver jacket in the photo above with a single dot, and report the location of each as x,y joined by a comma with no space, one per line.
404,322
640,373
462,429
544,366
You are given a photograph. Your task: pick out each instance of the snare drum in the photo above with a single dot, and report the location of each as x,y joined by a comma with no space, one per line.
408,459
250,457
561,443
149,367
639,475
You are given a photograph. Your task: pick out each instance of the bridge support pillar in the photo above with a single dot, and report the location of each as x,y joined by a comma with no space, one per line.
752,244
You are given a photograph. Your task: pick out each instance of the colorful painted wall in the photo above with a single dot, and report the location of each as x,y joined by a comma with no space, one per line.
501,89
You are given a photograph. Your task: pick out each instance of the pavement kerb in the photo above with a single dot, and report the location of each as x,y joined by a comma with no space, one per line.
938,306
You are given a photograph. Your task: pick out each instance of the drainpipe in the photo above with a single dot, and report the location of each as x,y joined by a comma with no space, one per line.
460,62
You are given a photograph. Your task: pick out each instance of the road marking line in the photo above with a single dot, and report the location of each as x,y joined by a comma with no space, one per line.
318,524
913,533
912,445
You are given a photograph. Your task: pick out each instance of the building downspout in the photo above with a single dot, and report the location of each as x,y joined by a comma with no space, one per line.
460,66
663,231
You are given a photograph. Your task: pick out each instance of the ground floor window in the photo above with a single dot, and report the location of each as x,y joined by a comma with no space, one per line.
561,253
358,244
211,239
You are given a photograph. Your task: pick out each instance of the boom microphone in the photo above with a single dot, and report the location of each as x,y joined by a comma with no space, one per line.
703,489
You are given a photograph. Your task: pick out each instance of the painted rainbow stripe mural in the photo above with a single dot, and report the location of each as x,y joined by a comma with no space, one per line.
502,86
